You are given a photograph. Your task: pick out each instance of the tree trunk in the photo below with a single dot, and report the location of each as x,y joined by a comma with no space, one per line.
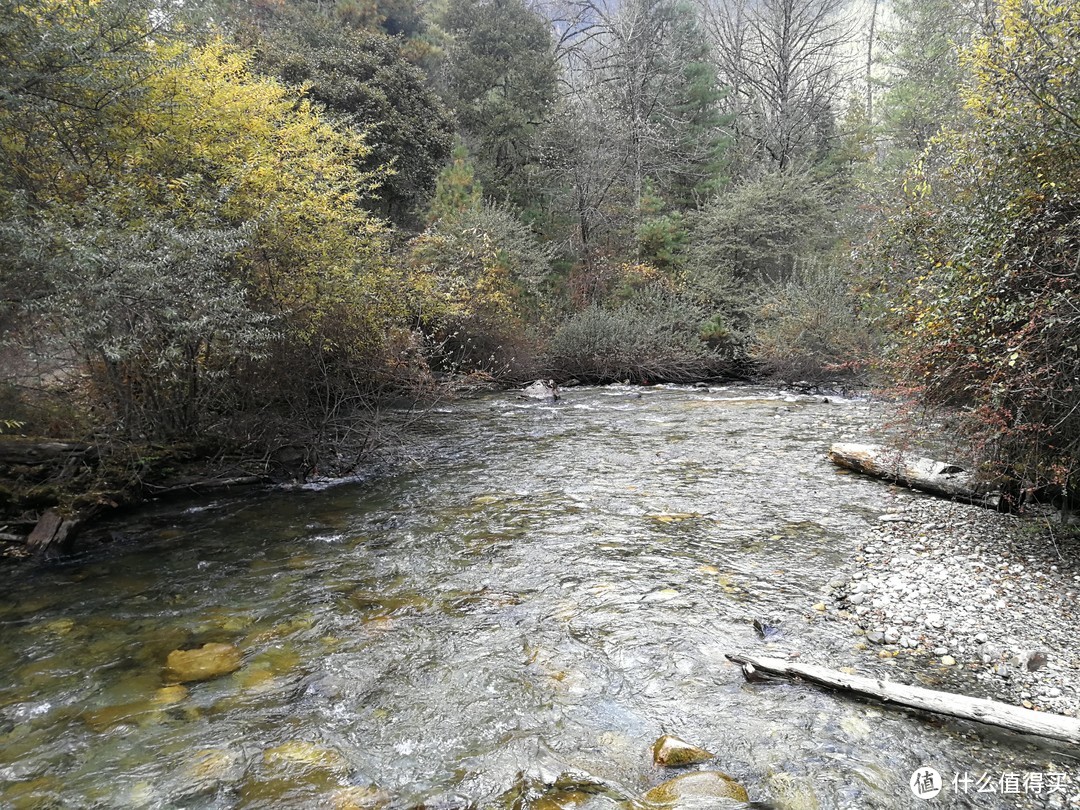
981,710
870,67
924,474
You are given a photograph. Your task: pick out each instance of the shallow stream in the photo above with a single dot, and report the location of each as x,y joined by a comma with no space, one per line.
532,599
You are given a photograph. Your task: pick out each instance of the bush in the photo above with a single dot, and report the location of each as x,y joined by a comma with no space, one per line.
808,327
655,335
478,274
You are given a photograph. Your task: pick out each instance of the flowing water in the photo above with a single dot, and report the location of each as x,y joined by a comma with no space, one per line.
507,621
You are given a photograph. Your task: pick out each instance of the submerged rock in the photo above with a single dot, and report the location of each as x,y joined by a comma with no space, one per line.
295,774
672,752
696,785
563,800
793,792
367,797
139,712
208,661
208,770
305,755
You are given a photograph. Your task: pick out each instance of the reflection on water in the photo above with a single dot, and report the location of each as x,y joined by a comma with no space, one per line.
509,622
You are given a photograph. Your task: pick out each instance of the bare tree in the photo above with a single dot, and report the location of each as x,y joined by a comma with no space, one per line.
788,63
643,114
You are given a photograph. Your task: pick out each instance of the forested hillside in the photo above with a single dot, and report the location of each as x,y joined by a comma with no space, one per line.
241,226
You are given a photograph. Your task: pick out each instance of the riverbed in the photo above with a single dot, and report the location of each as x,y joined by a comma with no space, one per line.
531,597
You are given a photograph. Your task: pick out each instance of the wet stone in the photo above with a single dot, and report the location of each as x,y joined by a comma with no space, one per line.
673,752
696,785
205,663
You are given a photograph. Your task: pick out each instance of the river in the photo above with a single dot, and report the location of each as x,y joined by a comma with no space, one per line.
539,590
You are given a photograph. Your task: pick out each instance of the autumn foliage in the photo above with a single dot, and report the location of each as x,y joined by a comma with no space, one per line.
982,261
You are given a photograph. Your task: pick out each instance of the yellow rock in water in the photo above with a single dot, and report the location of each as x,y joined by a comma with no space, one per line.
208,661
212,763
305,755
696,785
673,752
359,798
168,695
258,679
60,627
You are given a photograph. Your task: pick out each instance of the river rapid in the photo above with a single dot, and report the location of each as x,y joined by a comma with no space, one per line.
508,618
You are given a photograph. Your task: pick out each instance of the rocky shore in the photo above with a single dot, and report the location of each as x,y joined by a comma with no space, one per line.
981,595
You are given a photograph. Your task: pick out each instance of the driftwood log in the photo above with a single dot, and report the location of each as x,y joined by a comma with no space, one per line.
206,486
981,710
923,474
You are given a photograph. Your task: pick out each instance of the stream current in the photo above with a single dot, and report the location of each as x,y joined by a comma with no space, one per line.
510,617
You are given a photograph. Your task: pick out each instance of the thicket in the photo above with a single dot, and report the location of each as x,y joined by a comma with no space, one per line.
981,254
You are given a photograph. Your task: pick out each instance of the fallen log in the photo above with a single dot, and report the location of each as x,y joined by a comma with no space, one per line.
924,474
981,710
20,450
205,486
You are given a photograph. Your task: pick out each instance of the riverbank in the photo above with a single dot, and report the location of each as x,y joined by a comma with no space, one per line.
982,602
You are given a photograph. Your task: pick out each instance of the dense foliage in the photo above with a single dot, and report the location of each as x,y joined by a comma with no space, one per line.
982,259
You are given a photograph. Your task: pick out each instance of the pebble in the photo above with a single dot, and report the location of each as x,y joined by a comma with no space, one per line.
960,582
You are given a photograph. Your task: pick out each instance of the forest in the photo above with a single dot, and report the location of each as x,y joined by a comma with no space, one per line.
241,228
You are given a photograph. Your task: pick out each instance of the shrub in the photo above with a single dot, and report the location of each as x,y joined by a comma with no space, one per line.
478,274
808,327
655,335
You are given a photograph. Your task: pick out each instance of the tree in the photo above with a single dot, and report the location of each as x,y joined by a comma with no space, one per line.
363,79
980,257
922,71
500,78
639,117
763,227
456,189
787,66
